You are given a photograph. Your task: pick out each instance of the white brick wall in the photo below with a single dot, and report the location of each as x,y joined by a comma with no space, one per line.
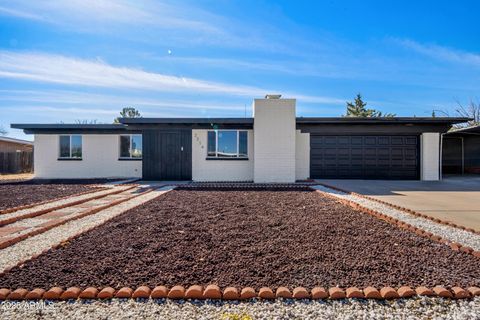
274,139
219,170
99,159
302,156
430,156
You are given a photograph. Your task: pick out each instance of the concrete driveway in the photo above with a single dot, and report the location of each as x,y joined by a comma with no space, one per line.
455,199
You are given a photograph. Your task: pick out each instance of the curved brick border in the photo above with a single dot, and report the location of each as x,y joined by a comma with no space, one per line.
19,238
420,232
27,206
406,210
232,293
5,222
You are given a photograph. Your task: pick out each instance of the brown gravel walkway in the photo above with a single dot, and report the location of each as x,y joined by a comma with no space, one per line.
247,238
14,194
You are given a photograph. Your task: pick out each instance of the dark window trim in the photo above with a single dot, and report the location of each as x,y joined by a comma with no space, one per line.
237,157
130,159
130,135
69,159
228,159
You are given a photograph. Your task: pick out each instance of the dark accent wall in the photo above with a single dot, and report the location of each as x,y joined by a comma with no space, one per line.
167,154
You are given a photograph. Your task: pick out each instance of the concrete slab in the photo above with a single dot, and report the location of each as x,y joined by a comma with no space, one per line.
455,199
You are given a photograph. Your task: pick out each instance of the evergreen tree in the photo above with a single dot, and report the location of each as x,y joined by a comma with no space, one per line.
128,112
358,109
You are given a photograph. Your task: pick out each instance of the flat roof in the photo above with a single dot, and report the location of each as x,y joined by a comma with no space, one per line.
305,120
14,140
136,124
382,120
59,128
186,120
468,130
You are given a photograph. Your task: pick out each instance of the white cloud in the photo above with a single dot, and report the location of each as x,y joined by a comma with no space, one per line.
90,15
440,52
71,71
62,97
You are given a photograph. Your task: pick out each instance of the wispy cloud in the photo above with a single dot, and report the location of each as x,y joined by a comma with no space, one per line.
71,71
440,52
92,14
67,97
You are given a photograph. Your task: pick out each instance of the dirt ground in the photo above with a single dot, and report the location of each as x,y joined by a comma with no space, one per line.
19,193
247,238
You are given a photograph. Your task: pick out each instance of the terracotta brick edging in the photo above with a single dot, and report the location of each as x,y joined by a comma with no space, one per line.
400,224
406,210
232,293
54,224
4,222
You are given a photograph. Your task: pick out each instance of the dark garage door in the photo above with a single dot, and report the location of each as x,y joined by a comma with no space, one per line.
364,157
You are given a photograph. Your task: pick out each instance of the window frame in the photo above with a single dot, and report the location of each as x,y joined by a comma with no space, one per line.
216,156
70,157
130,157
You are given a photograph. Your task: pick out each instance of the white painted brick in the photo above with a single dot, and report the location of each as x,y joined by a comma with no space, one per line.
100,154
274,140
219,170
430,156
302,156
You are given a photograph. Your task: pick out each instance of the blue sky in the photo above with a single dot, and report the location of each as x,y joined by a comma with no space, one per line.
62,61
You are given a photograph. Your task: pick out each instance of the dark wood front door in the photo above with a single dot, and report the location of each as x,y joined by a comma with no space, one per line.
167,154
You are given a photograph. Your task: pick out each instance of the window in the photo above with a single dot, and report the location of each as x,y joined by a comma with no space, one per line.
70,147
227,144
131,146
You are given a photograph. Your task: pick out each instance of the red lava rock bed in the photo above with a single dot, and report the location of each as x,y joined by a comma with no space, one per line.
14,194
246,238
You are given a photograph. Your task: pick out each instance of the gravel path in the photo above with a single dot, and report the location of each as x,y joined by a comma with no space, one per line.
25,249
463,237
416,308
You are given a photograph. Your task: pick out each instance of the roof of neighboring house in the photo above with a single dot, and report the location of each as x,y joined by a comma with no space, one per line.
17,141
465,131
136,124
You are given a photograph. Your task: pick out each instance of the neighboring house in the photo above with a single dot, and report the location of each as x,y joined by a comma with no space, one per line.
14,145
461,151
16,156
272,146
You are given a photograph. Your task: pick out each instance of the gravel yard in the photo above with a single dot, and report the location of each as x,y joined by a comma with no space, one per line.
14,194
247,238
417,308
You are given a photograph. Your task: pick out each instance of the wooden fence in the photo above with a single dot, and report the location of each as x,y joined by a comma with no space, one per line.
16,162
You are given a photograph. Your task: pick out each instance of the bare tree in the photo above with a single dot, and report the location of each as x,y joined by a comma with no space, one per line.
472,110
85,121
3,132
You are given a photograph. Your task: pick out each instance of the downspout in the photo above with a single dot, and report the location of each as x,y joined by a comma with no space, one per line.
463,156
441,157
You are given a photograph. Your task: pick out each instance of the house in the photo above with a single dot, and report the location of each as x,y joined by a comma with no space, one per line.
8,145
461,151
272,146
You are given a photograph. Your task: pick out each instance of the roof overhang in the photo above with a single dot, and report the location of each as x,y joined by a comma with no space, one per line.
306,124
70,128
474,130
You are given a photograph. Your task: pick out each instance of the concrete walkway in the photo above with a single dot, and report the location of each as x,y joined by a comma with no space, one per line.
455,199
